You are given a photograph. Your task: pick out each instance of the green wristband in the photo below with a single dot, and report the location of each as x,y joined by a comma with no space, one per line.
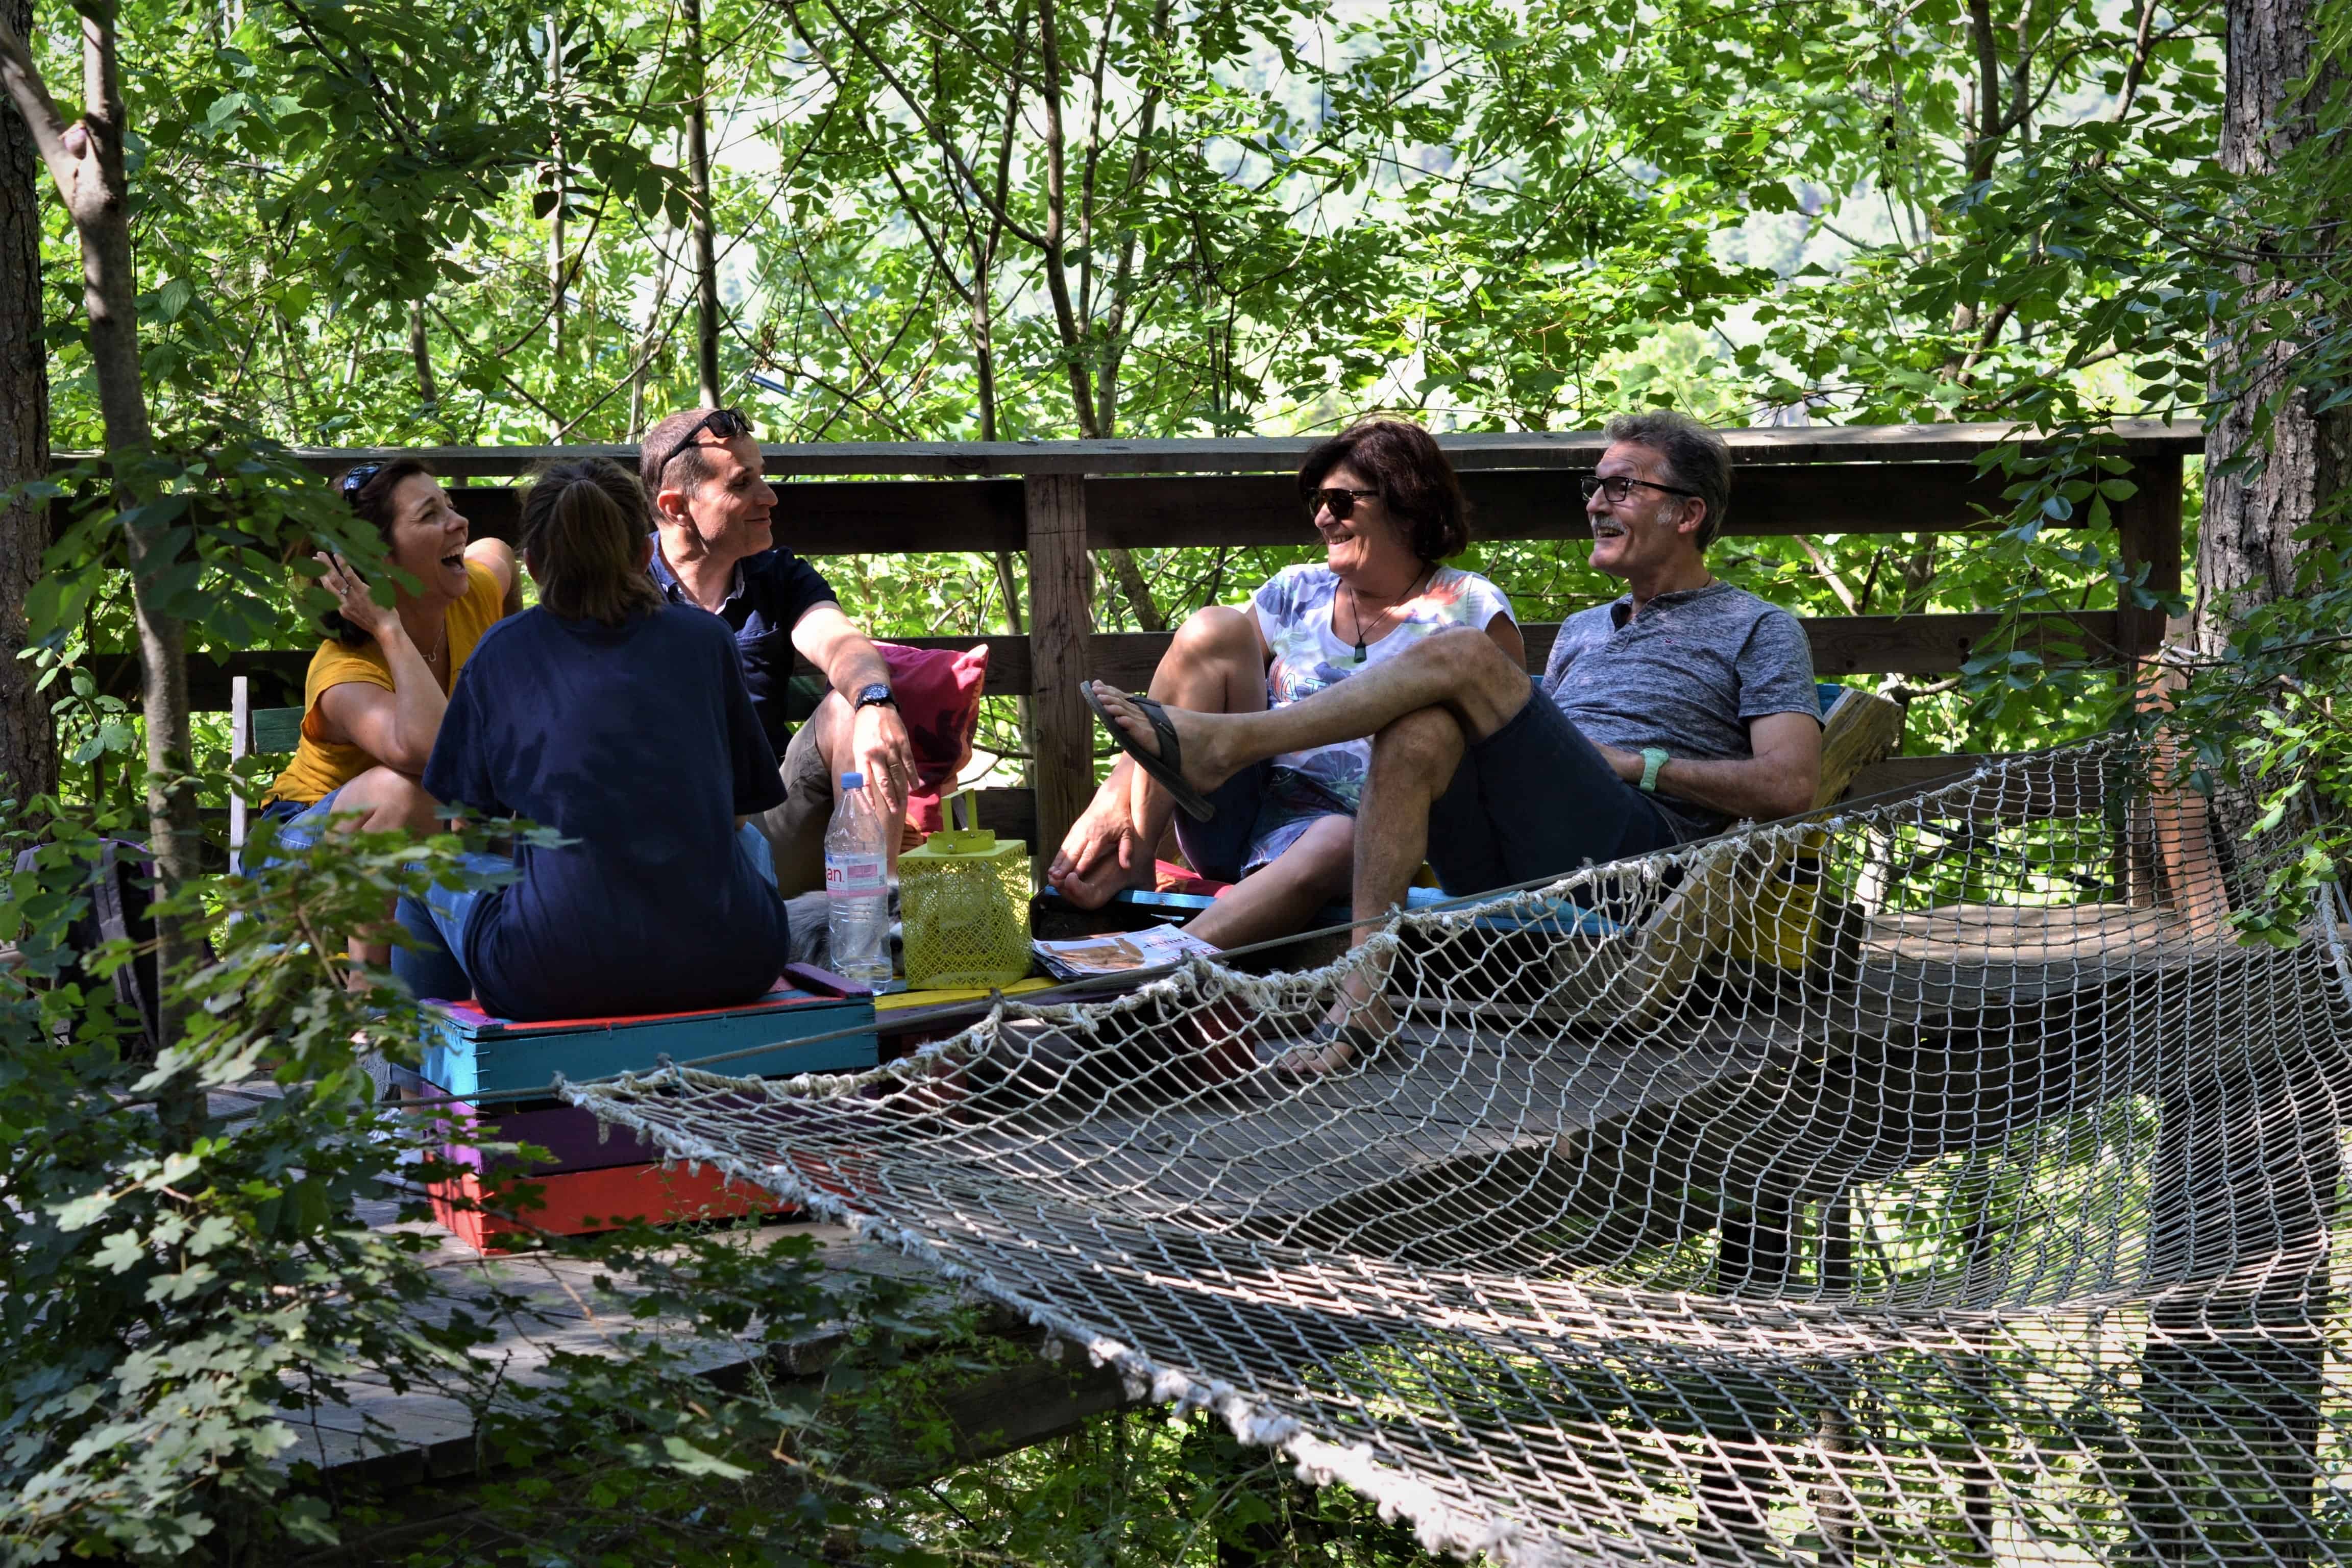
1652,759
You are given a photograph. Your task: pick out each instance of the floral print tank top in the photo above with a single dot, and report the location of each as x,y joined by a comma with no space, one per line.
1294,614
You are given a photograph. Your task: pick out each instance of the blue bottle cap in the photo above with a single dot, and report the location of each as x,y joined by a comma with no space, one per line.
853,781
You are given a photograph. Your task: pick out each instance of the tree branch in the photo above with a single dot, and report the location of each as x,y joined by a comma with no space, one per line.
30,94
1057,279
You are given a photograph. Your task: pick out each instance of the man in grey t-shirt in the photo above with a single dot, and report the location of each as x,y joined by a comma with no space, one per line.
1683,706
1688,676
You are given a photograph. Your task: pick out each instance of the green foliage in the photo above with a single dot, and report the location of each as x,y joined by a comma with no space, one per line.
172,1307
1275,215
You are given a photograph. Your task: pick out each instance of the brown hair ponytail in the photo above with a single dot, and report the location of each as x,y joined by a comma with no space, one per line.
583,532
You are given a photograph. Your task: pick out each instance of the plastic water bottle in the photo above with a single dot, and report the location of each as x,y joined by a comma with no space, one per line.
857,887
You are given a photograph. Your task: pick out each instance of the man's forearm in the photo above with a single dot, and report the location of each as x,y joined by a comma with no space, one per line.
856,664
1760,787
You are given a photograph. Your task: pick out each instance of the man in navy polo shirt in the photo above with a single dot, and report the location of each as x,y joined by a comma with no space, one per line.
715,547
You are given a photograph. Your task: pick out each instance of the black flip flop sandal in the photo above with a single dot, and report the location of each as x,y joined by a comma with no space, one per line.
1167,766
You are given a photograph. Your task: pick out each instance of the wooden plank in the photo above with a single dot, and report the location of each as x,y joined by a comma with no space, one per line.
1539,503
2147,533
1911,775
1061,616
240,746
889,517
1264,454
2057,791
880,517
491,512
1843,644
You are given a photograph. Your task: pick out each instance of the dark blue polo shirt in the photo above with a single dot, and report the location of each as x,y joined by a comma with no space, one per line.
771,592
638,744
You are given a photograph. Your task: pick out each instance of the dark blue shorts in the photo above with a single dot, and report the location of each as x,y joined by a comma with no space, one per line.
1537,799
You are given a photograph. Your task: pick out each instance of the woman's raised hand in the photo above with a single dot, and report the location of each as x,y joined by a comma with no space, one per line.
351,592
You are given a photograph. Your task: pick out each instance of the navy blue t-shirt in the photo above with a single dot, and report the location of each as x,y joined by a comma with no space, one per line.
638,741
766,598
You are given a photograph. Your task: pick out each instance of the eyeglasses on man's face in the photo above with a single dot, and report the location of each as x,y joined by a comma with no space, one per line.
1617,486
727,424
1340,503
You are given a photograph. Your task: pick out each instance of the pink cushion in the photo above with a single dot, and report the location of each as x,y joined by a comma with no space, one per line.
938,696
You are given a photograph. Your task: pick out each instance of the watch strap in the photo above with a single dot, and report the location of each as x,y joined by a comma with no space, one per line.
875,695
1652,759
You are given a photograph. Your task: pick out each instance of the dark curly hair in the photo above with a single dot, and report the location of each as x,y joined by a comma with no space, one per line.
371,502
1404,463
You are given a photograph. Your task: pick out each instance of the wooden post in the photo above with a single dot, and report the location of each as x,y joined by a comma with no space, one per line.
240,746
2148,533
1061,621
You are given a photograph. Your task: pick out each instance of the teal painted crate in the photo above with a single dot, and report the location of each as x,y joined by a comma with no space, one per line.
477,1054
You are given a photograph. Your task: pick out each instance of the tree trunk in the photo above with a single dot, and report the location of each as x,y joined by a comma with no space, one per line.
706,252
2246,551
29,757
561,177
84,159
420,350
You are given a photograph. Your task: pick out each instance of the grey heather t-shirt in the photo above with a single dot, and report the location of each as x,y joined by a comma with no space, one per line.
1685,675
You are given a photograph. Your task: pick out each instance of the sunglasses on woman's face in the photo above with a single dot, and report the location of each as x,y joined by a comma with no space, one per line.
1340,503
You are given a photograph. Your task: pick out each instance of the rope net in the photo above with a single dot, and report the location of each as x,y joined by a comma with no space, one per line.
1936,1182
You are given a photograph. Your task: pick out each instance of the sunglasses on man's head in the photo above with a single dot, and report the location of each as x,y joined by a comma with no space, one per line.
1340,503
727,424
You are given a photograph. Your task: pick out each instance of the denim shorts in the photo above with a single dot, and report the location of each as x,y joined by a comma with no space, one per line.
452,911
426,963
431,963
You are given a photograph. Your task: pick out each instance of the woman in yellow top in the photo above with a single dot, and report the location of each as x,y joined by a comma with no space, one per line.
372,701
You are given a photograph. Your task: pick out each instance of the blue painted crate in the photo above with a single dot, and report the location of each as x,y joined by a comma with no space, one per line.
477,1054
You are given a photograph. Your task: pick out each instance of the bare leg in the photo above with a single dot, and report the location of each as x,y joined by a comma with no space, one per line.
1281,898
1459,670
812,765
1216,665
386,800
1413,762
833,722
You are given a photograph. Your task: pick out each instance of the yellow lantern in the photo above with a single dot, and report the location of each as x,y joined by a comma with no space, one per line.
963,901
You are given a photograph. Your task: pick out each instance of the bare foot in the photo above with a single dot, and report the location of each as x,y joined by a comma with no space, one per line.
1354,1023
1101,855
1198,735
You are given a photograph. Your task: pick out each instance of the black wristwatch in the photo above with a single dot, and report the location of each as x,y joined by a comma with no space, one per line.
875,695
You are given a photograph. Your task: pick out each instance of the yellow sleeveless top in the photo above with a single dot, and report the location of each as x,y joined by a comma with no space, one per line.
322,766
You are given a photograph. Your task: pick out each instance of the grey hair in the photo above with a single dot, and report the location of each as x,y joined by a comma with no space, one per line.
1696,458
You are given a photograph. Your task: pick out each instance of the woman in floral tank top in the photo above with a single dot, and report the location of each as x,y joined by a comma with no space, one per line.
1385,503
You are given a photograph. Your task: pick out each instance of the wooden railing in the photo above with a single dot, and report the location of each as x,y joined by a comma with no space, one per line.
1055,501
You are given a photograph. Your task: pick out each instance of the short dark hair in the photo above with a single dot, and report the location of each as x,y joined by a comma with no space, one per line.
1696,456
582,530
1416,483
690,469
371,502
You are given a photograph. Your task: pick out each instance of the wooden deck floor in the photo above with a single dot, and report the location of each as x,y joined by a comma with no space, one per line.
1953,1027
1489,1114
393,1442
